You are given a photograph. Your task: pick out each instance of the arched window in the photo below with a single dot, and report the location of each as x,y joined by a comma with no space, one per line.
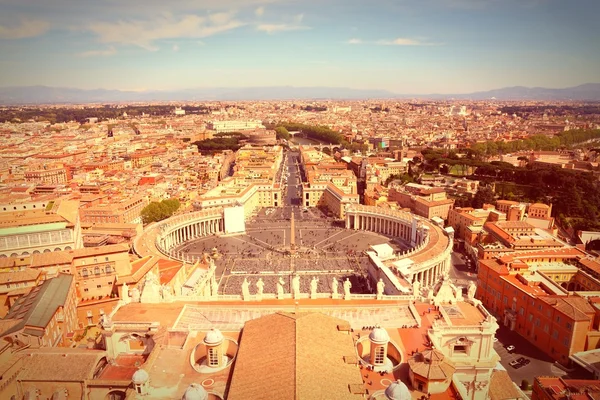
84,273
97,270
108,269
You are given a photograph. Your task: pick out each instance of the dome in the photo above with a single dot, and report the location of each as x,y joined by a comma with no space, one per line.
214,336
379,335
140,377
398,391
195,392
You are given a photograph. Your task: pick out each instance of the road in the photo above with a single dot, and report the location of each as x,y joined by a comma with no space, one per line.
462,272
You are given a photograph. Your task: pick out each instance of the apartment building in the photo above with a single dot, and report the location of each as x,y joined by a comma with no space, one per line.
37,231
45,316
233,126
124,210
527,292
422,200
49,176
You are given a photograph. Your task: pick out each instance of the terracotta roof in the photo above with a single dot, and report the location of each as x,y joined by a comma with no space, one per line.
502,387
294,356
64,365
566,307
432,365
23,275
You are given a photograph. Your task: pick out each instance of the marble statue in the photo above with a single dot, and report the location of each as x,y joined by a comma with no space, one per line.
334,288
125,294
151,290
313,287
380,287
416,287
260,287
245,289
347,286
280,290
296,286
472,288
106,321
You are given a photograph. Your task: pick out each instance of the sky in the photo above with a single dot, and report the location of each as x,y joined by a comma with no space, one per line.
403,46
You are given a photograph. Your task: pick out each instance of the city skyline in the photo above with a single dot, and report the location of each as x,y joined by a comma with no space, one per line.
437,46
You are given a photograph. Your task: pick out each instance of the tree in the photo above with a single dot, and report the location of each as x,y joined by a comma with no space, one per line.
156,211
282,133
484,195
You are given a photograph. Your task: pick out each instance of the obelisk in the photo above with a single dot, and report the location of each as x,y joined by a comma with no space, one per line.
293,235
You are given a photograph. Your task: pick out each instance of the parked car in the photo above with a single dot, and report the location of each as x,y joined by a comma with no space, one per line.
515,364
526,361
510,348
521,360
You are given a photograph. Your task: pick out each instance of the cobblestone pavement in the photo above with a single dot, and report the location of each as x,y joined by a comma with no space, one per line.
324,249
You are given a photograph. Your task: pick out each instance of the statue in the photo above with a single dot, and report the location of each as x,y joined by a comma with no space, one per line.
347,286
245,289
260,286
472,288
166,293
296,286
214,286
280,290
334,288
125,294
106,321
380,287
313,287
416,287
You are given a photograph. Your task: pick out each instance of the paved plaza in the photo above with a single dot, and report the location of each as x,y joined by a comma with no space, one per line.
201,318
324,250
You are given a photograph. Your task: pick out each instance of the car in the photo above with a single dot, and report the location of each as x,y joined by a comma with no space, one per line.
521,360
515,364
510,348
526,361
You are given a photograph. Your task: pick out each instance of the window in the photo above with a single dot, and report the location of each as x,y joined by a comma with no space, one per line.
85,289
546,328
530,317
566,341
555,334
98,286
105,258
569,326
379,355
558,318
84,273
108,269
213,357
462,349
97,270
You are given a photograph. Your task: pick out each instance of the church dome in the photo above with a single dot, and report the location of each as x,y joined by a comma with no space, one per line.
195,392
398,391
140,377
379,336
214,336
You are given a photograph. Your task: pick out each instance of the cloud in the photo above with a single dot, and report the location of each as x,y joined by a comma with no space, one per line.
403,42
259,11
145,33
395,42
294,25
26,28
99,53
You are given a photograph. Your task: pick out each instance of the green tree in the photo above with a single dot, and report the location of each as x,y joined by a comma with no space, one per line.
156,211
282,133
484,195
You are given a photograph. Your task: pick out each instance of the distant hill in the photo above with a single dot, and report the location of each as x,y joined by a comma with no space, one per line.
45,94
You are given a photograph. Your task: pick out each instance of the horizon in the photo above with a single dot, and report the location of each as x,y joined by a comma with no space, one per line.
293,87
433,47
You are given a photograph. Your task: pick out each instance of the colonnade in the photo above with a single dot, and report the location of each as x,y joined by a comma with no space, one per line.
386,225
412,230
191,231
